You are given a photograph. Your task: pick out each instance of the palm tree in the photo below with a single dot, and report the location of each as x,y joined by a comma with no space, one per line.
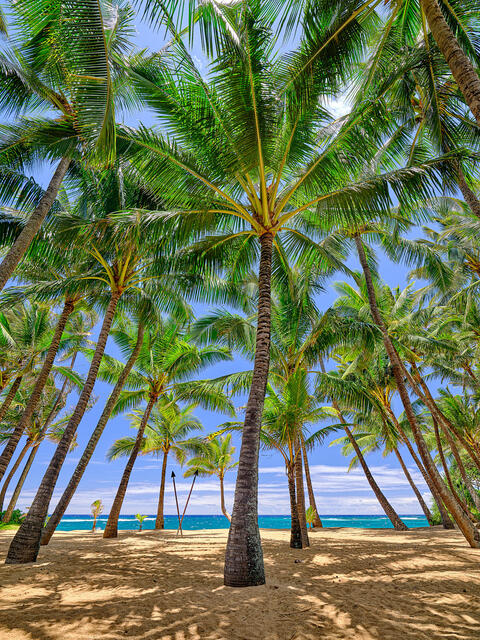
166,361
260,160
216,460
166,432
140,519
36,75
96,508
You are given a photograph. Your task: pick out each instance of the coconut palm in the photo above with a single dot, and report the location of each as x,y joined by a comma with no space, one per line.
215,460
167,431
64,70
163,373
96,508
140,519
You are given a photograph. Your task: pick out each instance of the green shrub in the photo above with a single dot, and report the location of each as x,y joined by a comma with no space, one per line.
17,517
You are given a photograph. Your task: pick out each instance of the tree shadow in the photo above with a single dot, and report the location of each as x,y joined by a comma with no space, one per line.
355,584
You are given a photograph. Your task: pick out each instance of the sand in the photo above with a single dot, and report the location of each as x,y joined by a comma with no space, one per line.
351,583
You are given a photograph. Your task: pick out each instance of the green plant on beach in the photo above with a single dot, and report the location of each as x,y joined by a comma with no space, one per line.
140,519
96,508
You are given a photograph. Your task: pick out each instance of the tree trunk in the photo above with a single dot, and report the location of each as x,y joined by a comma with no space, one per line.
458,459
40,383
12,472
23,241
77,475
300,494
420,499
470,533
462,69
446,520
222,501
111,528
26,543
23,476
446,470
244,556
3,410
311,496
471,199
94,523
295,532
390,512
159,522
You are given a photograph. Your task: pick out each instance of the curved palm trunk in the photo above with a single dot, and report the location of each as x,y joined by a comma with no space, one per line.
244,556
40,383
311,496
295,532
29,231
222,500
458,459
462,69
77,475
446,520
26,543
4,408
12,472
471,199
111,528
446,470
300,494
21,481
390,512
159,522
421,501
471,534
94,526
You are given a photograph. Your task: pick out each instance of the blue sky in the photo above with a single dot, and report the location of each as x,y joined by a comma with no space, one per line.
337,492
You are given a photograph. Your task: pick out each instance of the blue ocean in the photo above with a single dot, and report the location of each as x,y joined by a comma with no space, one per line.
84,522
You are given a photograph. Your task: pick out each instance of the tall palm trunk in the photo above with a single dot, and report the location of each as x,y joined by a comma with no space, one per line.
470,533
446,470
244,556
26,543
445,518
21,481
40,383
470,198
111,528
462,69
295,532
222,500
390,512
29,231
300,494
77,475
159,522
421,501
461,467
12,472
4,408
311,496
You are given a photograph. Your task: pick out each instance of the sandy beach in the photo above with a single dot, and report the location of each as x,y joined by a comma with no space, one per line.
351,583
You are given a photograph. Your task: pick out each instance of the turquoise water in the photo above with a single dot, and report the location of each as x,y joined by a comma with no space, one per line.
83,522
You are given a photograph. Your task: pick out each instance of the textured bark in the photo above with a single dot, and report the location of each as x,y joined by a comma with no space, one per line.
462,69
472,201
159,522
295,532
446,470
77,475
24,239
390,512
12,472
244,556
311,496
461,468
21,481
26,543
111,528
471,534
222,501
39,386
300,494
5,407
421,501
446,520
